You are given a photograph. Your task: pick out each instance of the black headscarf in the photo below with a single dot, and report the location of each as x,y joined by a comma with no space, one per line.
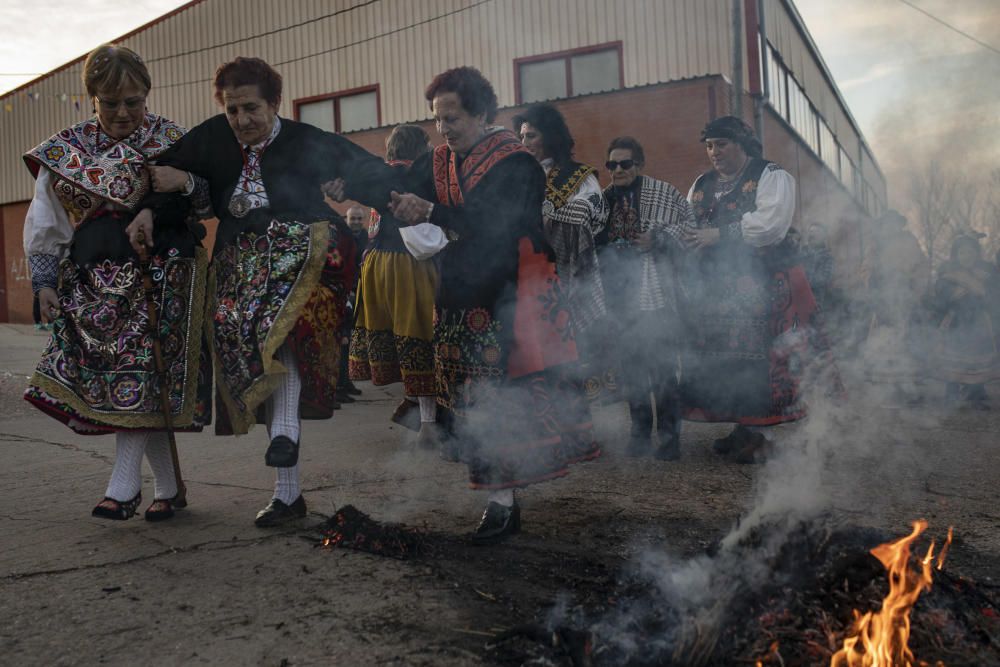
734,129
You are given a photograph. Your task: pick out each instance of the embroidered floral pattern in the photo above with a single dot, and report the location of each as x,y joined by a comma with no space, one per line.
98,371
467,342
92,167
478,320
254,277
120,188
385,358
54,153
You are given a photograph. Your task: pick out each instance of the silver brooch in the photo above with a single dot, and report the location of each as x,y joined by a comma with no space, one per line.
239,206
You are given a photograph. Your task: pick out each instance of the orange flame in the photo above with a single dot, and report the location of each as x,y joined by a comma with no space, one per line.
882,639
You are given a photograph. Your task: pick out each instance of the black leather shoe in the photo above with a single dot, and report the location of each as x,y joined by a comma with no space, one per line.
732,442
282,452
407,414
117,510
756,449
161,509
351,389
344,396
498,523
277,513
668,448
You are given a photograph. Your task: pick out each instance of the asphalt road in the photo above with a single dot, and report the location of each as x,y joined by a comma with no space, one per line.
210,588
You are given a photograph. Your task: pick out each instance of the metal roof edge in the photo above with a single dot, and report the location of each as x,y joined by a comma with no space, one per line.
800,25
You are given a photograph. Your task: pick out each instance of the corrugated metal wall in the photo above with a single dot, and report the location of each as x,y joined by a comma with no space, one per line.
325,46
399,44
783,33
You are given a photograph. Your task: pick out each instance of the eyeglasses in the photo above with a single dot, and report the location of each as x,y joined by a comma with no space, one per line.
131,104
624,164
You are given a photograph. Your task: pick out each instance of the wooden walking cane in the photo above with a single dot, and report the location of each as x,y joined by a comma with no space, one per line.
180,500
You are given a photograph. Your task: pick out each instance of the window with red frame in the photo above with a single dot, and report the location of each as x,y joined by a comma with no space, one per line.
591,69
347,111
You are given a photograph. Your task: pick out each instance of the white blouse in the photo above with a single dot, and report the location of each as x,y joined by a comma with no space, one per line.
775,200
47,229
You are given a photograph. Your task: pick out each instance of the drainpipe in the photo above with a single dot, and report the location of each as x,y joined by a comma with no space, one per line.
765,94
736,97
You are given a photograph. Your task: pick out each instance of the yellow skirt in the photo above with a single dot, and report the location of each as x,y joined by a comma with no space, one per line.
394,325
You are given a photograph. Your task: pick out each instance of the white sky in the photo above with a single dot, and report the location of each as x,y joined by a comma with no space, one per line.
893,64
39,35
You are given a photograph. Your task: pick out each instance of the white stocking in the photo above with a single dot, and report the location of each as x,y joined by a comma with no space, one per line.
428,408
126,473
286,487
283,403
503,497
162,463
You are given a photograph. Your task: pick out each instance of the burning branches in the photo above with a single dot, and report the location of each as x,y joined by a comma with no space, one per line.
787,595
353,529
882,639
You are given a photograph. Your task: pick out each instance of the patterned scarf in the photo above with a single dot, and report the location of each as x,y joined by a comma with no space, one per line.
451,180
92,170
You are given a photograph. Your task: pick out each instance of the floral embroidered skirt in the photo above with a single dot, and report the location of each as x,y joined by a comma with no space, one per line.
752,342
511,385
266,289
511,432
98,373
394,325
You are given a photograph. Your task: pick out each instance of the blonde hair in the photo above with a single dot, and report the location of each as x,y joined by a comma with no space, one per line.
110,68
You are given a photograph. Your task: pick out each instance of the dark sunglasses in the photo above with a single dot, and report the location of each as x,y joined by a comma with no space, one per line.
624,164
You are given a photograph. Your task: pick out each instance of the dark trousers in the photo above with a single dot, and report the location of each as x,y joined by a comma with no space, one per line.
649,363
36,310
343,380
656,385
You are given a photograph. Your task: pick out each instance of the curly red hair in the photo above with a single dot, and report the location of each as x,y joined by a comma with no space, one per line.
473,89
249,72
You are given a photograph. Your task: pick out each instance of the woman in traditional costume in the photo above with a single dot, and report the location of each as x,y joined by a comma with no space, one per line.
394,326
573,213
638,251
280,265
506,362
752,330
97,374
967,354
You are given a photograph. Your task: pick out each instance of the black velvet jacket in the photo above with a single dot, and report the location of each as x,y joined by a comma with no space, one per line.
293,166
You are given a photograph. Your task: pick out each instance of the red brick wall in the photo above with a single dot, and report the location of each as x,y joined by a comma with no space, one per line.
16,279
3,272
666,119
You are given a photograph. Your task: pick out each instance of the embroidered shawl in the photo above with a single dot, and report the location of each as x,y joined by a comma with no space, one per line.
451,180
90,171
562,183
